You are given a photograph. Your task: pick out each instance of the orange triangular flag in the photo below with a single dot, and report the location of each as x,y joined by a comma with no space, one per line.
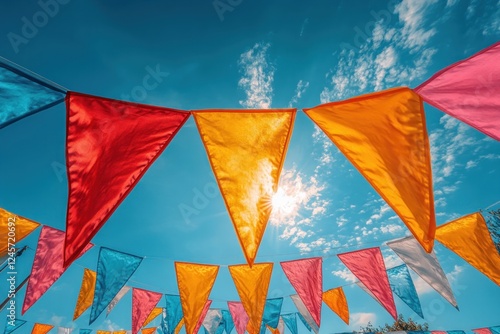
103,332
120,332
383,134
179,326
252,284
150,330
246,149
41,328
86,295
17,226
273,330
470,239
154,313
195,282
110,144
335,299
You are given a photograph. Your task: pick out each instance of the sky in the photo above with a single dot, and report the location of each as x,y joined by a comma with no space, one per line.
249,54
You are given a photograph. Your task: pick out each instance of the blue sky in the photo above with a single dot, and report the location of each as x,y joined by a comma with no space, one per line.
256,54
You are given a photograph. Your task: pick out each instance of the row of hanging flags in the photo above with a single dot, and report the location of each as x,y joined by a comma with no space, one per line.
383,134
102,289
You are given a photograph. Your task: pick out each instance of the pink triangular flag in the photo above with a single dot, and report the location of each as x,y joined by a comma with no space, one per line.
143,302
468,90
47,265
239,315
202,316
484,330
368,266
306,276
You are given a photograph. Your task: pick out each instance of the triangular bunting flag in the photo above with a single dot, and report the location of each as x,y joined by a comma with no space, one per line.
85,331
103,332
291,322
252,284
86,295
173,313
120,332
23,227
113,271
368,266
424,264
202,316
470,239
482,330
108,150
179,326
47,265
212,321
336,301
466,91
149,330
304,314
306,277
41,328
123,291
228,321
438,332
11,326
495,329
272,330
281,326
246,149
239,315
271,315
143,302
24,94
383,134
154,313
195,282
402,285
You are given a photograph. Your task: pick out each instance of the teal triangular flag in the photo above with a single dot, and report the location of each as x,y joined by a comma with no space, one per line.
12,325
113,271
23,94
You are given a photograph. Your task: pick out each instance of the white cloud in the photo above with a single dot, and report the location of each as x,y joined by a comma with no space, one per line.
391,229
392,260
346,275
301,89
455,273
361,319
376,65
258,76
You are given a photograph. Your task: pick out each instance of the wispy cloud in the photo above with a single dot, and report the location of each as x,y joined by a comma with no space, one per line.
362,319
299,91
391,55
258,76
345,274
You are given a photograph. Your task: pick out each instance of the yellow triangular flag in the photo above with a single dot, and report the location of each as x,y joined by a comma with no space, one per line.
383,134
41,328
150,330
103,332
252,284
470,239
13,226
195,282
154,313
336,301
86,295
246,149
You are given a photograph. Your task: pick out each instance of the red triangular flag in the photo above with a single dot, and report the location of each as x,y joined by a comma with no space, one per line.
306,276
110,144
47,265
143,302
368,266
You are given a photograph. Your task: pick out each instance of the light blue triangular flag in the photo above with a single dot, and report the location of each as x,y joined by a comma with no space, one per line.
113,271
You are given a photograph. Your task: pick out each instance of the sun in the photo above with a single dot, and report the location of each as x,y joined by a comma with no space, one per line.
282,202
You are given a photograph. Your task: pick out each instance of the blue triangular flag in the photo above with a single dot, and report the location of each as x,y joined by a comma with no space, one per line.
12,325
290,322
227,319
113,271
174,312
271,315
23,94
402,285
85,331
